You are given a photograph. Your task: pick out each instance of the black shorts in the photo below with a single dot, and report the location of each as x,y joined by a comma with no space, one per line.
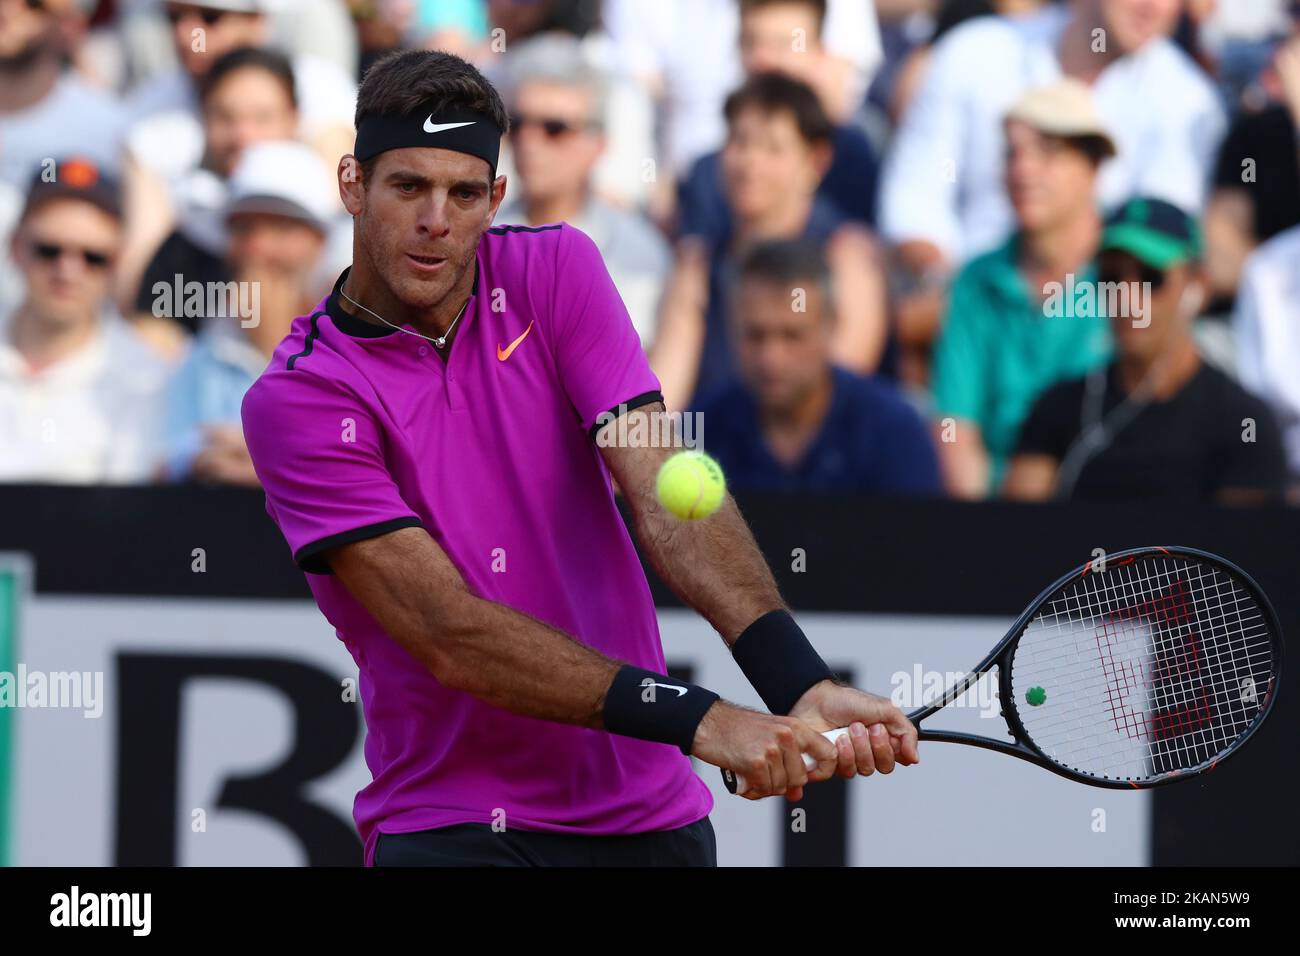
477,844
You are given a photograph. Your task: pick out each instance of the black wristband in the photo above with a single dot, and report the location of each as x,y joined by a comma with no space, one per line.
779,662
650,706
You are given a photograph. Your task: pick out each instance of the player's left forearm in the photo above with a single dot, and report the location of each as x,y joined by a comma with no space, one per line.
714,565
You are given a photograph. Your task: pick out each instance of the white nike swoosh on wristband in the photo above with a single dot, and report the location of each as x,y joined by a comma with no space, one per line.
681,691
431,127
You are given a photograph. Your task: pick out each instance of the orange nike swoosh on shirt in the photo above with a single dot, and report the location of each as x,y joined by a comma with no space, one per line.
504,354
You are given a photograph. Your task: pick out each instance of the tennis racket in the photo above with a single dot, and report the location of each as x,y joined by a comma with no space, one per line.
1144,668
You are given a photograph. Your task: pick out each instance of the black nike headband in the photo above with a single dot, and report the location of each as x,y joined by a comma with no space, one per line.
459,128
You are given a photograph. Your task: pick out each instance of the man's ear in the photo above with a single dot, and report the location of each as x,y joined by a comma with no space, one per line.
498,194
823,154
1193,299
351,186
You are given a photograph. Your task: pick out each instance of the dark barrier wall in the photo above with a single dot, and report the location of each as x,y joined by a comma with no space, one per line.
861,555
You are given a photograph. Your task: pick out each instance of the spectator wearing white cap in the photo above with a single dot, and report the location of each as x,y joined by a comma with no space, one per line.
942,198
79,392
280,212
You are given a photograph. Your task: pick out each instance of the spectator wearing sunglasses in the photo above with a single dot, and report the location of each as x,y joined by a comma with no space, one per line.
557,103
80,394
1158,421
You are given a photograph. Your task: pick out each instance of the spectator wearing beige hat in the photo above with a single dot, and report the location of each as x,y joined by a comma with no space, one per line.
1019,318
942,197
278,216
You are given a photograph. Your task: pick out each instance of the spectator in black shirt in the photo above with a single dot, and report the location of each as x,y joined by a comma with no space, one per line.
1257,175
1158,421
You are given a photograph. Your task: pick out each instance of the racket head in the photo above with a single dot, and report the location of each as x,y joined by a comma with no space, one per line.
1148,667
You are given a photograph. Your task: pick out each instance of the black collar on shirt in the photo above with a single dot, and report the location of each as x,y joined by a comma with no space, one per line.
358,328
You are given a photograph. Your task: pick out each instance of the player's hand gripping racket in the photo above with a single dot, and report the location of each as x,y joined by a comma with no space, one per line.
1150,667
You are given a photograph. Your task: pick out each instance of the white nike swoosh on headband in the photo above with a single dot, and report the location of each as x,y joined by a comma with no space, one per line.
431,127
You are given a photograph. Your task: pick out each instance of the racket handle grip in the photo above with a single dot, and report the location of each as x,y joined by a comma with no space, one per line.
735,783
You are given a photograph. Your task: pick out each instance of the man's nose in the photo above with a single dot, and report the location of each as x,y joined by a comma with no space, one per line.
433,217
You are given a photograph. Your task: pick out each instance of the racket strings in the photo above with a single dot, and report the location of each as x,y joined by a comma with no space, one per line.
1153,666
1187,706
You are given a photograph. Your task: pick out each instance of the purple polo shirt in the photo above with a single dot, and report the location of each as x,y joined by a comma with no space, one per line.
356,430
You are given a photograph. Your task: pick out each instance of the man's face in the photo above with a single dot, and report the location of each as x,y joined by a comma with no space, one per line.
555,145
1132,24
267,243
221,31
248,106
768,39
1048,180
24,31
420,218
764,159
1155,316
782,354
66,250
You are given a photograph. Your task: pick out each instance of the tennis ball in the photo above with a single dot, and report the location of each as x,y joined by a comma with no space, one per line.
690,485
1036,696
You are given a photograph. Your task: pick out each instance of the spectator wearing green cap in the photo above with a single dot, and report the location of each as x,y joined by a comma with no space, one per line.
1157,421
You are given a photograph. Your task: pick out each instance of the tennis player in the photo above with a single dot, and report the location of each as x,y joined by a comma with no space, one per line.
427,438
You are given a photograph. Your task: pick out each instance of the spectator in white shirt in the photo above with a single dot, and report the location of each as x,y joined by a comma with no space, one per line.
45,108
942,199
80,395
685,52
1267,324
557,136
167,135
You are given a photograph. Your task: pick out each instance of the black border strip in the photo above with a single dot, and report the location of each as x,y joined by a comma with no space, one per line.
305,556
307,344
622,408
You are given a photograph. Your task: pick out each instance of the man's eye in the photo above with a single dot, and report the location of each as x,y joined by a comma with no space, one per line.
408,188
466,194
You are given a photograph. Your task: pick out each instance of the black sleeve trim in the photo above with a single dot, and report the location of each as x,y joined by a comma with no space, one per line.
309,556
622,408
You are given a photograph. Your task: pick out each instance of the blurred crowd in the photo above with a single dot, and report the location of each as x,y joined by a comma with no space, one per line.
974,248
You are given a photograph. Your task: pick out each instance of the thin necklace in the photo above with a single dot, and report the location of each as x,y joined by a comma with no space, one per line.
439,342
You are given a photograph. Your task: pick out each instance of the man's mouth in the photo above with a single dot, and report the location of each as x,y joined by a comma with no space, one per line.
428,262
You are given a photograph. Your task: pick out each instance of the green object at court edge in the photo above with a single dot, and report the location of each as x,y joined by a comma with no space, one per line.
1036,696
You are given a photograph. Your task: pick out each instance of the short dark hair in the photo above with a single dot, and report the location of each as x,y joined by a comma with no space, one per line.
788,263
408,80
776,92
818,8
250,58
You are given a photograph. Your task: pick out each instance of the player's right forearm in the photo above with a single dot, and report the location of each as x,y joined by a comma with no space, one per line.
503,656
